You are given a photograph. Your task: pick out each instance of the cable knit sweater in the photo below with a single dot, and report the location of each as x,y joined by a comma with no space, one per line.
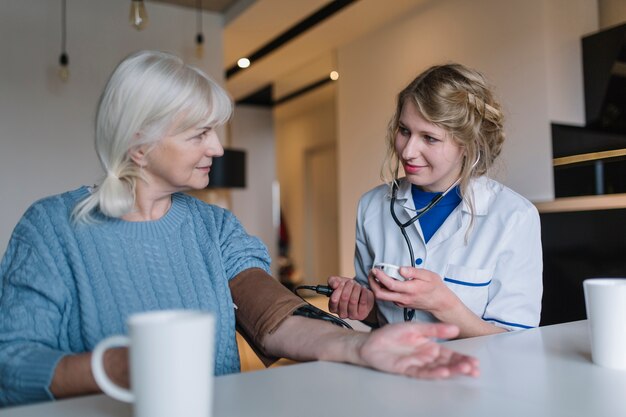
65,287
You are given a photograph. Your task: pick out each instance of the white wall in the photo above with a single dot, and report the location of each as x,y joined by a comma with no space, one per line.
528,49
46,127
252,129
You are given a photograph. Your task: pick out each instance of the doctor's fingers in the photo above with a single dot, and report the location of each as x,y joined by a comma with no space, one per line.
410,294
385,281
381,292
411,273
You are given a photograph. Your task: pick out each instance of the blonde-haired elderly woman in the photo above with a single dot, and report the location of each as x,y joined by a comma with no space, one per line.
79,263
469,248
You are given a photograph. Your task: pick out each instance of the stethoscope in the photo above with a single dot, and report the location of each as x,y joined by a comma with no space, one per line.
409,313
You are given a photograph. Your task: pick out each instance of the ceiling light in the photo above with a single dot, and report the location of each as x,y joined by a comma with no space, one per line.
243,63
334,75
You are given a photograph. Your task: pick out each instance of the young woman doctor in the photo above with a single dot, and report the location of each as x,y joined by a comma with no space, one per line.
469,248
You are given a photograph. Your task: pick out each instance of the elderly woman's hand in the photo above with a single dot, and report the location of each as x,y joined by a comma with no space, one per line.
409,349
349,298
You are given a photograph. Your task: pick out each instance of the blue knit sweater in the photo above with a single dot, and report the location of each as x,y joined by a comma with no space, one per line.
65,287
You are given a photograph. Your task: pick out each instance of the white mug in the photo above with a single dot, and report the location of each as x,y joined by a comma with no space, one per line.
171,363
605,301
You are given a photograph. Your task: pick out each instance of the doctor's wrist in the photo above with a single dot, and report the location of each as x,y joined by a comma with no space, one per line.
449,309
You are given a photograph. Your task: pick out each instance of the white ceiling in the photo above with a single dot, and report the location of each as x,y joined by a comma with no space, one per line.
308,57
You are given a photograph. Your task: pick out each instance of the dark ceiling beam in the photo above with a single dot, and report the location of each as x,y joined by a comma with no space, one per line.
296,30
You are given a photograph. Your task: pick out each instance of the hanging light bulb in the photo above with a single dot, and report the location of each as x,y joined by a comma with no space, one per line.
199,35
199,45
64,59
138,16
64,71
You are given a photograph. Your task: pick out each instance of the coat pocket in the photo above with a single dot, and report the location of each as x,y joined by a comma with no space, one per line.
471,285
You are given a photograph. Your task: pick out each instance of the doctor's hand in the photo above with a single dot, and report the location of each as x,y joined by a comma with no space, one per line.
425,290
349,298
409,349
422,290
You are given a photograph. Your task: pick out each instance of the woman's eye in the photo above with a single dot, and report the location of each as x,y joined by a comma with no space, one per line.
202,135
430,139
404,131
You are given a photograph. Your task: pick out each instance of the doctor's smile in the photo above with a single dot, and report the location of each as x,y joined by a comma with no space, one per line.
414,169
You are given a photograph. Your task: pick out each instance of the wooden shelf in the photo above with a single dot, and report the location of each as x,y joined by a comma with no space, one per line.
583,203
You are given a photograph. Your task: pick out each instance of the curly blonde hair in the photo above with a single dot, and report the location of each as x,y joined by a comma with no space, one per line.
459,100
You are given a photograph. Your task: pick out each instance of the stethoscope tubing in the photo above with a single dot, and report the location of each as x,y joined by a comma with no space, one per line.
410,313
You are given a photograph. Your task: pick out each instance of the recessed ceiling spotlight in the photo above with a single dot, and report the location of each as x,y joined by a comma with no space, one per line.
334,75
243,63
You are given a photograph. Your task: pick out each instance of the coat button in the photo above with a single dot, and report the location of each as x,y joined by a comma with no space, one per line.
418,261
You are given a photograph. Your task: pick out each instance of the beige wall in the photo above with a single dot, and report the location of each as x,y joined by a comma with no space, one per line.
612,12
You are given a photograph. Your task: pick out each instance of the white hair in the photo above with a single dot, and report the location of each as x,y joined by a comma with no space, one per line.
146,93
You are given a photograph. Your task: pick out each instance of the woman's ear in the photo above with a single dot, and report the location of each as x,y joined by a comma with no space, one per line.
137,154
463,154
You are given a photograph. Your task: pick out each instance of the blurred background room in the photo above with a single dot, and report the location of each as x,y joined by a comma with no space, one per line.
313,105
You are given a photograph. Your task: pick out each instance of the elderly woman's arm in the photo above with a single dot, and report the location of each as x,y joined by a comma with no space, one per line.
265,309
264,316
404,348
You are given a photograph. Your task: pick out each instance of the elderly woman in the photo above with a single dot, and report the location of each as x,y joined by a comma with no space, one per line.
78,264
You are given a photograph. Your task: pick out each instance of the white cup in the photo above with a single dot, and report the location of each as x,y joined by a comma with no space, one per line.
392,270
171,363
605,300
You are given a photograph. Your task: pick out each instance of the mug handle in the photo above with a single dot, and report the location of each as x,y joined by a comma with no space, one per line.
97,367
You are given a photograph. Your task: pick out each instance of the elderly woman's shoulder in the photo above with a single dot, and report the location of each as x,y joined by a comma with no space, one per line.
59,203
48,214
67,198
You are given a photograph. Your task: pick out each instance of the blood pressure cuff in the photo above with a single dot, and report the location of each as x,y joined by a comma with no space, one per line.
262,305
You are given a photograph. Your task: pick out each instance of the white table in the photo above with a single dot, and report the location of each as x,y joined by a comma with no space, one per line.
532,373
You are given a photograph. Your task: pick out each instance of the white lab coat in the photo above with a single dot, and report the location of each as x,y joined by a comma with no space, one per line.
496,270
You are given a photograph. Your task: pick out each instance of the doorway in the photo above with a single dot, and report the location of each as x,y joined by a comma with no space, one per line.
321,214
